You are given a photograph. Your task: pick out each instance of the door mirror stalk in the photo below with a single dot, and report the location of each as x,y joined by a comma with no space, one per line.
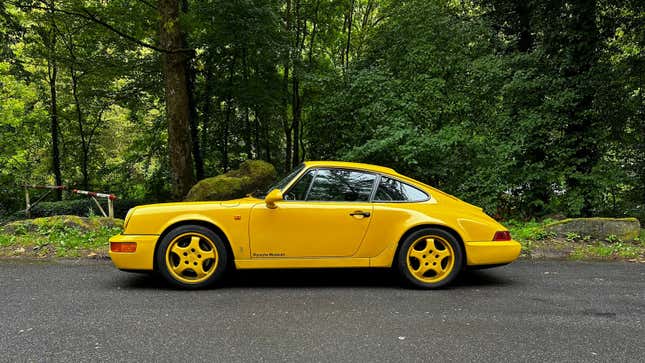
274,196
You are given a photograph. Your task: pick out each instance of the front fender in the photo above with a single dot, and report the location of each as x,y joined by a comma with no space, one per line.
232,222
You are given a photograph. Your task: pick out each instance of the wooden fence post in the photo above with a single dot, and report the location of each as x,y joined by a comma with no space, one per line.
110,207
28,205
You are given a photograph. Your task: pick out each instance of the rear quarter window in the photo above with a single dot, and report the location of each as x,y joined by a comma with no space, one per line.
392,190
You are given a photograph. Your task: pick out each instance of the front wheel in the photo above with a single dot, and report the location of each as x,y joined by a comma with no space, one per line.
191,257
430,258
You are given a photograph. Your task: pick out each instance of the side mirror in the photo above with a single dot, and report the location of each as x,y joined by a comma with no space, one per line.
273,196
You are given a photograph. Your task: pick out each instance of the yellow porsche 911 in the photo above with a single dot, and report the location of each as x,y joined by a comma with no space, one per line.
323,214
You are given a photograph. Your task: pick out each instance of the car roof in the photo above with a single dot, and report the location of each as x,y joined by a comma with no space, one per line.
379,169
350,165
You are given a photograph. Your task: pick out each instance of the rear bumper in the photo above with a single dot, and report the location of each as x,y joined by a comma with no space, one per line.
141,259
492,253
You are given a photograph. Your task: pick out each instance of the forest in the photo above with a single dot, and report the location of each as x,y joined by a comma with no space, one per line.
526,108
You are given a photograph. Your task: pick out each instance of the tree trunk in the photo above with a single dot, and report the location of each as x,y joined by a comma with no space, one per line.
313,34
525,41
296,117
177,93
256,134
207,110
296,110
285,123
267,139
52,70
248,150
227,121
194,121
227,118
248,146
364,25
79,118
285,84
349,34
194,124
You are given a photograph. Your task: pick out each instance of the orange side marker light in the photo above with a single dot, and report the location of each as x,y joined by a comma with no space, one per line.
123,246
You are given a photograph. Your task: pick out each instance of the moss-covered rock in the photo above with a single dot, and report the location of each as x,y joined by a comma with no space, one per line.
624,229
251,176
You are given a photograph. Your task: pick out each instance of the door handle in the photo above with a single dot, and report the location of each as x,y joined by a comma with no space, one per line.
360,213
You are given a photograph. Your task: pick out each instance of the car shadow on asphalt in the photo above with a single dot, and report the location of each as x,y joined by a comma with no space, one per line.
321,278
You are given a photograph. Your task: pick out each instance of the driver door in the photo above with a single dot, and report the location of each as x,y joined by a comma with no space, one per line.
325,214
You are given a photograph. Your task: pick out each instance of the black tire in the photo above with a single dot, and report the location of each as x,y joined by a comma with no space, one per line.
429,266
185,263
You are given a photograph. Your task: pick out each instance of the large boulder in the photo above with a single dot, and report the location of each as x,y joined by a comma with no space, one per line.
252,175
625,229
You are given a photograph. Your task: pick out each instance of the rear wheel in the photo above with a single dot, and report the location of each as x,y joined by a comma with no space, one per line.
192,257
430,258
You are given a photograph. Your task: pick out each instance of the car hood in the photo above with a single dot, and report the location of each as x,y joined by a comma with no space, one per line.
189,205
164,208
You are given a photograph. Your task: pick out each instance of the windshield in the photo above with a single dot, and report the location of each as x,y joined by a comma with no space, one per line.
284,181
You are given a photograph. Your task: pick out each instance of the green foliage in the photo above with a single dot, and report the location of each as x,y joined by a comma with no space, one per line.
411,104
520,130
612,238
83,207
530,230
604,251
524,109
572,236
538,242
66,236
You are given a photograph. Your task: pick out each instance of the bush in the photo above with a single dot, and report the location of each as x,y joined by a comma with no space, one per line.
83,207
60,223
62,236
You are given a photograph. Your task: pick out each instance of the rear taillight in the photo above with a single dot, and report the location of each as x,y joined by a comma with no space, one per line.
123,246
502,236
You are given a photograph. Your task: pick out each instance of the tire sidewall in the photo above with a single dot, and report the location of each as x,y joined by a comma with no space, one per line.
222,260
402,265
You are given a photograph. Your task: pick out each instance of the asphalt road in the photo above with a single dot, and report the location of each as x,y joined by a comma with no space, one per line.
527,311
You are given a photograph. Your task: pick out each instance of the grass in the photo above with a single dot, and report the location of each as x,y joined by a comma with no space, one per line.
537,242
59,236
72,236
601,250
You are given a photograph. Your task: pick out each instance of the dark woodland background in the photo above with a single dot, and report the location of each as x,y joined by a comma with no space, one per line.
527,108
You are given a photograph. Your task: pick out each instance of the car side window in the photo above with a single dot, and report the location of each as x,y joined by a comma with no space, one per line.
299,190
392,190
341,185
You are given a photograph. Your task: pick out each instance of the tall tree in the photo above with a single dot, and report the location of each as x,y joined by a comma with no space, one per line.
175,67
50,39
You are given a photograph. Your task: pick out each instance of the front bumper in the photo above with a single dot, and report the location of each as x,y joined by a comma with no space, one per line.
141,259
492,253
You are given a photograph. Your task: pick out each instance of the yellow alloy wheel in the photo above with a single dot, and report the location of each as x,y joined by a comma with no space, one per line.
191,258
430,259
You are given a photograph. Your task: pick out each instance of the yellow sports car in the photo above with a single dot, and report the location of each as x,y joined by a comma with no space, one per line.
323,214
